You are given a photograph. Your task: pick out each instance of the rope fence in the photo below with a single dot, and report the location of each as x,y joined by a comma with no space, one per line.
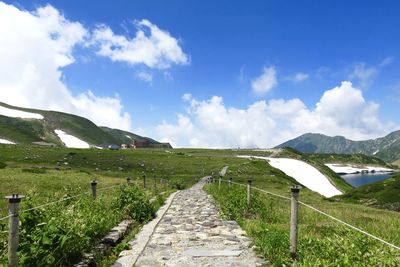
294,212
14,212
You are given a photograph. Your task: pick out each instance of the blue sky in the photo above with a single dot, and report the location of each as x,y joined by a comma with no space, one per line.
304,49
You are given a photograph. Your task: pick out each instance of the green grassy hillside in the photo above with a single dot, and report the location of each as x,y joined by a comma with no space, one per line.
26,131
355,159
122,136
383,194
44,174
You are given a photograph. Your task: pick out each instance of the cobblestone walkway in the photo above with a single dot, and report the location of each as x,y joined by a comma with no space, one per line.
191,233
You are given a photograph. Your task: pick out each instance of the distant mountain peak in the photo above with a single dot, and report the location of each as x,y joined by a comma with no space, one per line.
386,148
34,126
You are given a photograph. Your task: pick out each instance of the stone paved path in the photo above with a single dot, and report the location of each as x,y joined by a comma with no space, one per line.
191,233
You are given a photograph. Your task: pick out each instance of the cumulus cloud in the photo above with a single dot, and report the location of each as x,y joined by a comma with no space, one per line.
34,48
151,46
210,123
265,82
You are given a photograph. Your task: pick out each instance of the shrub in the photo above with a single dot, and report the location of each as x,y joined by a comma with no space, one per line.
57,235
134,203
2,165
178,184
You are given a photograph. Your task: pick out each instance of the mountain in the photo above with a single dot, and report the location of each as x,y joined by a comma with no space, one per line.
386,148
33,126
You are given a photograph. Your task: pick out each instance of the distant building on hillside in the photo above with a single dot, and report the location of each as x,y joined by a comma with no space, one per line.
162,145
147,144
141,143
40,143
110,146
126,146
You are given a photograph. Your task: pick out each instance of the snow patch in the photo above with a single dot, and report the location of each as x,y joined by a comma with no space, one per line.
304,173
8,112
128,136
70,140
4,141
351,169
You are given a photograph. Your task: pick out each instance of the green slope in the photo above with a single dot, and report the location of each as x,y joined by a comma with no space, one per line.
355,159
383,194
122,136
26,131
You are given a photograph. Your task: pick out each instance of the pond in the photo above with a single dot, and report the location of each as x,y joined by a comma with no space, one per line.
360,179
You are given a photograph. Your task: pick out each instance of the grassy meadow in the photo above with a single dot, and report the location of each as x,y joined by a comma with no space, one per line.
57,235
322,241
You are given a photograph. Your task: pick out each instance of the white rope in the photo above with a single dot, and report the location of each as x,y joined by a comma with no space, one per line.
53,202
6,217
258,189
59,200
267,192
104,188
349,225
324,213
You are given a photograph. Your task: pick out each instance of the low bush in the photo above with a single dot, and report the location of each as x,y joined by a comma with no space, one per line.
133,202
57,235
2,165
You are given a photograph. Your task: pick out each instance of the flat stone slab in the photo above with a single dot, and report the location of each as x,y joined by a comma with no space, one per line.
203,252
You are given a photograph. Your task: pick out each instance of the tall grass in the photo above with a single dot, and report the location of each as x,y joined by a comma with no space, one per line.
321,242
57,235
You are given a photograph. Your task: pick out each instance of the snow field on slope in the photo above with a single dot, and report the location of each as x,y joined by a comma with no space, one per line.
349,169
4,141
305,174
70,140
8,112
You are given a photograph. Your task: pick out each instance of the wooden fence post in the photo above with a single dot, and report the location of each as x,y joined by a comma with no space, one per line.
13,231
94,188
219,182
230,182
293,221
129,180
248,194
144,180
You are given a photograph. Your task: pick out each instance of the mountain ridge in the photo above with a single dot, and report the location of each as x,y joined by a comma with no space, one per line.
386,148
34,131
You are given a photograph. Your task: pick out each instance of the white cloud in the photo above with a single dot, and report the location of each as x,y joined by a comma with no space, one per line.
151,46
363,74
34,48
187,97
172,133
265,82
386,61
145,76
298,77
340,111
